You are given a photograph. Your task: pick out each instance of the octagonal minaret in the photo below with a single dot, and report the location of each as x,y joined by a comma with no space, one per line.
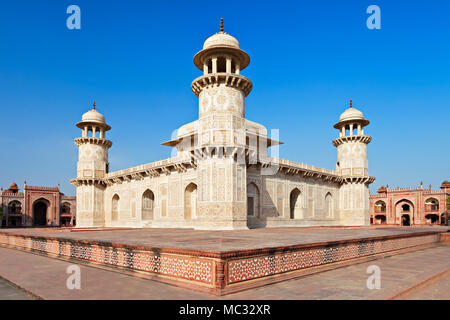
92,167
221,89
216,142
352,165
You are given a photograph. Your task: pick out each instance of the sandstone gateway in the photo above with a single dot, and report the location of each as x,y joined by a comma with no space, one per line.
221,175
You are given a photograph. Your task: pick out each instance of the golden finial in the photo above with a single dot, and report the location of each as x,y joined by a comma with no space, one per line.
221,24
350,103
93,105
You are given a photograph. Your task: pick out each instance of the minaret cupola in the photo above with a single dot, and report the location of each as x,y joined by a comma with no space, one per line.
351,123
93,122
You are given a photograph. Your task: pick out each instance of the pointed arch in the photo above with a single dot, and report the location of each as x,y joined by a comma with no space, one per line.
404,212
329,205
14,207
148,202
431,204
65,216
115,207
190,201
252,200
40,210
294,203
380,206
65,208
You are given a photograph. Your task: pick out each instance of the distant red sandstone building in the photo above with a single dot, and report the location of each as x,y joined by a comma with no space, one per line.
410,206
36,206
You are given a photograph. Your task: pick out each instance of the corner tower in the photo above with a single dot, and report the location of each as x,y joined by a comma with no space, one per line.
216,142
92,167
352,165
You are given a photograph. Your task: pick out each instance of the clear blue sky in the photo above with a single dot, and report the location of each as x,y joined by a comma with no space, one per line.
308,58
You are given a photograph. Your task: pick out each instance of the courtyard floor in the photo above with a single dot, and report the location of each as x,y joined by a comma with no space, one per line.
10,292
225,240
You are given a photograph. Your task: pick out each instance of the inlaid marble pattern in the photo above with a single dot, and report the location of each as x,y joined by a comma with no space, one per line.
267,265
178,266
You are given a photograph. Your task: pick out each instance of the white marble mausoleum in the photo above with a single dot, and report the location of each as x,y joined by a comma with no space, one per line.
221,175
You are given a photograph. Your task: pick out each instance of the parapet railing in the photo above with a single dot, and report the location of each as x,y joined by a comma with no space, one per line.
27,187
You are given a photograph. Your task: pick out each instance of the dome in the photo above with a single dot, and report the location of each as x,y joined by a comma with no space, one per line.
219,44
93,116
221,39
351,114
13,186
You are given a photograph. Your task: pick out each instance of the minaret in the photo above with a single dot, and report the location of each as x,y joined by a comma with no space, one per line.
352,165
221,89
91,168
220,142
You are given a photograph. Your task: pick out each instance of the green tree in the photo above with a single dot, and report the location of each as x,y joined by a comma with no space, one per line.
448,203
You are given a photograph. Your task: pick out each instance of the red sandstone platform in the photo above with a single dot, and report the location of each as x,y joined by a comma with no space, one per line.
221,262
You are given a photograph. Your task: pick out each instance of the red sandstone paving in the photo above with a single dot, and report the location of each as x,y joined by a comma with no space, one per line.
8,292
430,290
46,277
225,240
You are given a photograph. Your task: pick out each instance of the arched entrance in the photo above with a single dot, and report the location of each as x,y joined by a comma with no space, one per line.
65,218
40,212
406,220
432,218
148,199
190,201
380,219
14,214
115,208
404,212
252,200
294,203
329,205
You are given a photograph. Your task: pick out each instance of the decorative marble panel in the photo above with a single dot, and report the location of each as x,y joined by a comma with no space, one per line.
178,266
267,265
